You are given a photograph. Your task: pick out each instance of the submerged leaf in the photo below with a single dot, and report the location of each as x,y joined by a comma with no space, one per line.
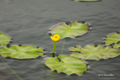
4,39
68,65
113,38
72,30
21,52
94,53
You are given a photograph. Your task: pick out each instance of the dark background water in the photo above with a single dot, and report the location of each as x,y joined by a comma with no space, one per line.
28,21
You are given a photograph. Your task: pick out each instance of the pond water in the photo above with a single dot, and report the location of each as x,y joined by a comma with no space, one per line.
28,22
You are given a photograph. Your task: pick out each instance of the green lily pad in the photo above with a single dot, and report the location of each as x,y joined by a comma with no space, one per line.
116,45
88,0
113,38
72,30
68,65
94,53
4,39
21,52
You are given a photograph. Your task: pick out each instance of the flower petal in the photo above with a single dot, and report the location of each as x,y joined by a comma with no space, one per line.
56,37
52,38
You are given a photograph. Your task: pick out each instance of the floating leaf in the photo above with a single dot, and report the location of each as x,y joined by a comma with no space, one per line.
72,30
88,0
95,53
68,65
21,52
116,45
4,39
113,38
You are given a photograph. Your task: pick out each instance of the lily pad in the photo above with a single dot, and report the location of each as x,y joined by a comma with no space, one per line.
116,45
113,38
94,53
72,30
21,52
88,0
4,39
68,65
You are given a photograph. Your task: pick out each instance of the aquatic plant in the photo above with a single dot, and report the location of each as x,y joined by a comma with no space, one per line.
21,52
55,38
72,64
4,39
94,53
68,65
117,45
112,38
71,30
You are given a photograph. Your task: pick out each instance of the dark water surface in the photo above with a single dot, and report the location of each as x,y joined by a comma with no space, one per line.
28,21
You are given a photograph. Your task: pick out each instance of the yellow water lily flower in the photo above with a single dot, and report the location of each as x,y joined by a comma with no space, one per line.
55,38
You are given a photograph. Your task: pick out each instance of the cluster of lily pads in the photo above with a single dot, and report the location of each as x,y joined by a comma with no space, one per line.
72,64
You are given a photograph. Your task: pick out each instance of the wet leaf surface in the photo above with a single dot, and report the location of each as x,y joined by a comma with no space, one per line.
4,39
68,65
71,30
21,52
94,53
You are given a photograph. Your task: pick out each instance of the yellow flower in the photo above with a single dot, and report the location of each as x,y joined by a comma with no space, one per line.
55,38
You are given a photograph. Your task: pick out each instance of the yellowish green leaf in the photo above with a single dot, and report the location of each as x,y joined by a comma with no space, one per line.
21,52
72,30
94,53
68,65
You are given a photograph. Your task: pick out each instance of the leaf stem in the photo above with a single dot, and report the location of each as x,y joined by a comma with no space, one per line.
10,68
93,63
54,49
32,68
